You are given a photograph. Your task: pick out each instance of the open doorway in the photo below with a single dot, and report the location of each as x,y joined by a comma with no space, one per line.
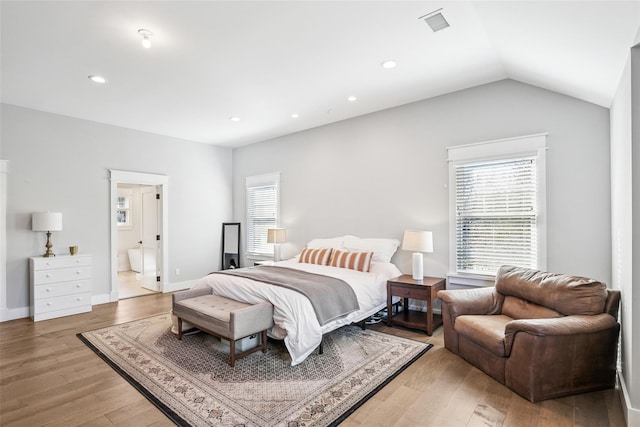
137,221
138,233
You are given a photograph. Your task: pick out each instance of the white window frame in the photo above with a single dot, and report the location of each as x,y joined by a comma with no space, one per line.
128,209
270,179
509,148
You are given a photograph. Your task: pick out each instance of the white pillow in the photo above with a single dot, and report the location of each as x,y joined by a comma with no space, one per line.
333,242
385,269
383,249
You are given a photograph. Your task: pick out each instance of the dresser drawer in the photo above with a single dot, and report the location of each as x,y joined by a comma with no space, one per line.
62,302
41,263
64,288
61,275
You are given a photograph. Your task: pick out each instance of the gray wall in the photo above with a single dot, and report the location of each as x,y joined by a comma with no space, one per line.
59,163
625,208
379,174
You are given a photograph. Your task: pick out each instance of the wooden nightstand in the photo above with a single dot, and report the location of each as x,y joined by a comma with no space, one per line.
426,289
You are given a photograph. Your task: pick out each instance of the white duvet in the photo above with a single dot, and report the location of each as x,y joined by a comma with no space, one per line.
293,316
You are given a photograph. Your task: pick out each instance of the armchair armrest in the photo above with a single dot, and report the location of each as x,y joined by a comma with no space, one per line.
549,358
568,325
471,301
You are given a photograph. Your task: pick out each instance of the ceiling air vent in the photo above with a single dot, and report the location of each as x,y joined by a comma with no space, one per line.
435,20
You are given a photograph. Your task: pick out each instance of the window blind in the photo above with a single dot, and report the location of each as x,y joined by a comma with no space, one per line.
496,215
262,213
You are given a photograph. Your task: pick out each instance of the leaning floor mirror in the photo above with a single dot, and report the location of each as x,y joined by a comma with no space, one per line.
230,245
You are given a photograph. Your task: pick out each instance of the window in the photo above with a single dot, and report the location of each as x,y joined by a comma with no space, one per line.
497,198
123,211
263,206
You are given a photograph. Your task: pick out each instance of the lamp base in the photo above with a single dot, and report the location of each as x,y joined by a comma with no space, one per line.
49,252
417,266
276,252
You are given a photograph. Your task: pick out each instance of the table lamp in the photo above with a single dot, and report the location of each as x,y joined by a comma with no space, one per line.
276,236
47,221
418,242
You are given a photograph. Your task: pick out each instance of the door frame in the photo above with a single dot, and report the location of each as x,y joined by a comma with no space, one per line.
126,177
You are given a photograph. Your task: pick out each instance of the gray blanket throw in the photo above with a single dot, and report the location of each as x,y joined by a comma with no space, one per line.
330,297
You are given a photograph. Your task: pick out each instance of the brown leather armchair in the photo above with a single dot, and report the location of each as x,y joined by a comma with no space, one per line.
543,335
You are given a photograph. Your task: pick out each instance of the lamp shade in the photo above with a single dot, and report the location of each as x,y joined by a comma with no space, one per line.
417,241
276,235
46,221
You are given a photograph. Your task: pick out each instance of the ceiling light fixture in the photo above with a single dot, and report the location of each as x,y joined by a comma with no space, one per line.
234,118
390,63
97,79
295,115
435,20
146,37
351,98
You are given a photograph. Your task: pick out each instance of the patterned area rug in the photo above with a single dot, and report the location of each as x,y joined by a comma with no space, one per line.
193,384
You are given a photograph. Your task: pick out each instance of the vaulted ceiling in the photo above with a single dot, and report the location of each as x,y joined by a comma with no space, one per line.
264,61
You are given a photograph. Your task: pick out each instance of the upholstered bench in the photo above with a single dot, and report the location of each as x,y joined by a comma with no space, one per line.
223,317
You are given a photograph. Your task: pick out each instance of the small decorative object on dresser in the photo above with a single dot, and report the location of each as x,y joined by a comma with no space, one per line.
406,287
60,286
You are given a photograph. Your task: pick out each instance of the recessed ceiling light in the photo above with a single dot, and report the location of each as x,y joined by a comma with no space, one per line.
97,79
389,64
295,115
146,37
351,98
234,118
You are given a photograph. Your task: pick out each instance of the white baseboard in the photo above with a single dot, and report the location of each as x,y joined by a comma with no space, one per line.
178,286
7,314
100,299
631,414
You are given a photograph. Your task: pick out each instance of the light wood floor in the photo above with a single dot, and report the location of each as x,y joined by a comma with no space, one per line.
129,286
48,377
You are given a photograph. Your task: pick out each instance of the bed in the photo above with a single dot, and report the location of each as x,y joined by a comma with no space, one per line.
295,319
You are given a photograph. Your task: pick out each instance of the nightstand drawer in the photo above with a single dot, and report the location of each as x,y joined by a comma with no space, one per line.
412,292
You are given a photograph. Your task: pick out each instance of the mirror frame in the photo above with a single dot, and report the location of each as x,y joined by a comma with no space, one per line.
225,261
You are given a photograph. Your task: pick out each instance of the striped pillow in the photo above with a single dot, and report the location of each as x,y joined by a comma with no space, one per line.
315,256
360,261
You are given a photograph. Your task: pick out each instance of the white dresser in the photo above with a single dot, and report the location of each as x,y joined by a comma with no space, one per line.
60,286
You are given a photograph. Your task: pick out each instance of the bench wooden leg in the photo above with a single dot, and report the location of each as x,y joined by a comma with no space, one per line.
232,352
264,341
179,328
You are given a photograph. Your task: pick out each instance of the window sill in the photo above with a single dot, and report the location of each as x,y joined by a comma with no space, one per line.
472,280
260,257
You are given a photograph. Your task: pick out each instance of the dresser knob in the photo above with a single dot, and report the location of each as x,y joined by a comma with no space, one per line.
78,272
79,299
78,285
49,289
49,303
47,276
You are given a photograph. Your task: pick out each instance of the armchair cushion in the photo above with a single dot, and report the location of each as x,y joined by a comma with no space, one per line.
518,308
486,331
560,292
